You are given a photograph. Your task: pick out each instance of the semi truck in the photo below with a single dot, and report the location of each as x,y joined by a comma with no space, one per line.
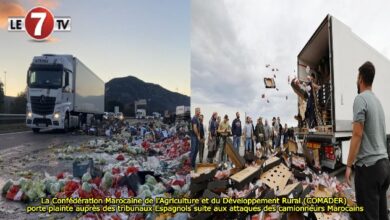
62,93
183,113
140,114
156,115
331,58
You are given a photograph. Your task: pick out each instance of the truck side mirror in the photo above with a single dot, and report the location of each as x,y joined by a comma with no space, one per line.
66,89
66,84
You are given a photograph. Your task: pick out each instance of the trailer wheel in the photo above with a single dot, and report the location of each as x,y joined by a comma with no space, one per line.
36,130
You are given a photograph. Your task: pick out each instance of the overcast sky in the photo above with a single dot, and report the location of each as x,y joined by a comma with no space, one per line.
232,41
144,38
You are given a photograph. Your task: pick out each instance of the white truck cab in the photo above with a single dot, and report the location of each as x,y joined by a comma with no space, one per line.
61,93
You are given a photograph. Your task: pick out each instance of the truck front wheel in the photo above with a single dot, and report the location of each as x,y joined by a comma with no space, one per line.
66,123
36,130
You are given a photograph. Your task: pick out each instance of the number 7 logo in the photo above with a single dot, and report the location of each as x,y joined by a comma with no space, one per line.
38,27
39,23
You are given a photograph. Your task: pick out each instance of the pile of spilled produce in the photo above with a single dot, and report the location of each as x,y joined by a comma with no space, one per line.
143,160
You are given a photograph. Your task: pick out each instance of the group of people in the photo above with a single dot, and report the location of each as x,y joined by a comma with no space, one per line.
262,135
368,151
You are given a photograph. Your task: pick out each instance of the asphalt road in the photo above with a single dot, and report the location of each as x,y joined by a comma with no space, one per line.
32,141
22,151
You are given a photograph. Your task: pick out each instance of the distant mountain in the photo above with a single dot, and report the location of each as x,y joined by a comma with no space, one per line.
124,91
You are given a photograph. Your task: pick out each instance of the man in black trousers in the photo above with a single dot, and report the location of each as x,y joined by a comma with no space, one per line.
368,149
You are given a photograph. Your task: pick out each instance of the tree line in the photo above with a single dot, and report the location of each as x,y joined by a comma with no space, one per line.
12,105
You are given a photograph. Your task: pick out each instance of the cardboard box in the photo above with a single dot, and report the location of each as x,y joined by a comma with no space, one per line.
205,172
269,83
277,177
298,162
294,189
205,167
271,163
292,146
322,191
325,216
349,194
197,187
233,155
306,191
208,194
301,176
245,176
267,194
218,186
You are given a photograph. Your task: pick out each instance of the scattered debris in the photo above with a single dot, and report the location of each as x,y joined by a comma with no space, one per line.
269,83
139,160
283,173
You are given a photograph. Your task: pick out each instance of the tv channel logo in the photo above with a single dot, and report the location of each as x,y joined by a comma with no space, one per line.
39,23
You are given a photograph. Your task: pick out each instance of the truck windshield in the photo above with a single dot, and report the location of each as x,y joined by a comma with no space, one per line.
45,79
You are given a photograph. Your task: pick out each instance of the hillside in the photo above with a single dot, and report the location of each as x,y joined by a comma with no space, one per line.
124,91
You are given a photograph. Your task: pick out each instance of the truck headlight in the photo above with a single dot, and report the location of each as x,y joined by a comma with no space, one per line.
29,114
57,115
121,117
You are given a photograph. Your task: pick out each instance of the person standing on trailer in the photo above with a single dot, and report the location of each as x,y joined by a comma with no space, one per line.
368,151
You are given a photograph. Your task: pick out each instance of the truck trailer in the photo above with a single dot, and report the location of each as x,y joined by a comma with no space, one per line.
62,93
332,57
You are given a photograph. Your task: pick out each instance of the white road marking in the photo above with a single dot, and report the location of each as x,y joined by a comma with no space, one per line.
20,132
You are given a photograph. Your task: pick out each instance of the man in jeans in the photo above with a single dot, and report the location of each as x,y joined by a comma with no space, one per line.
368,149
248,134
195,137
237,132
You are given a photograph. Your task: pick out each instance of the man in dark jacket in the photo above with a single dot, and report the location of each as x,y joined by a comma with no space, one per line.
201,142
237,131
259,131
212,138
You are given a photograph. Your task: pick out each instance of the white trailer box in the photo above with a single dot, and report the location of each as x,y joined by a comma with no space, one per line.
334,54
89,92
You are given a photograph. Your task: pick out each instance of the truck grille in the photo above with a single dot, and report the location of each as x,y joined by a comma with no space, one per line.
42,105
42,121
